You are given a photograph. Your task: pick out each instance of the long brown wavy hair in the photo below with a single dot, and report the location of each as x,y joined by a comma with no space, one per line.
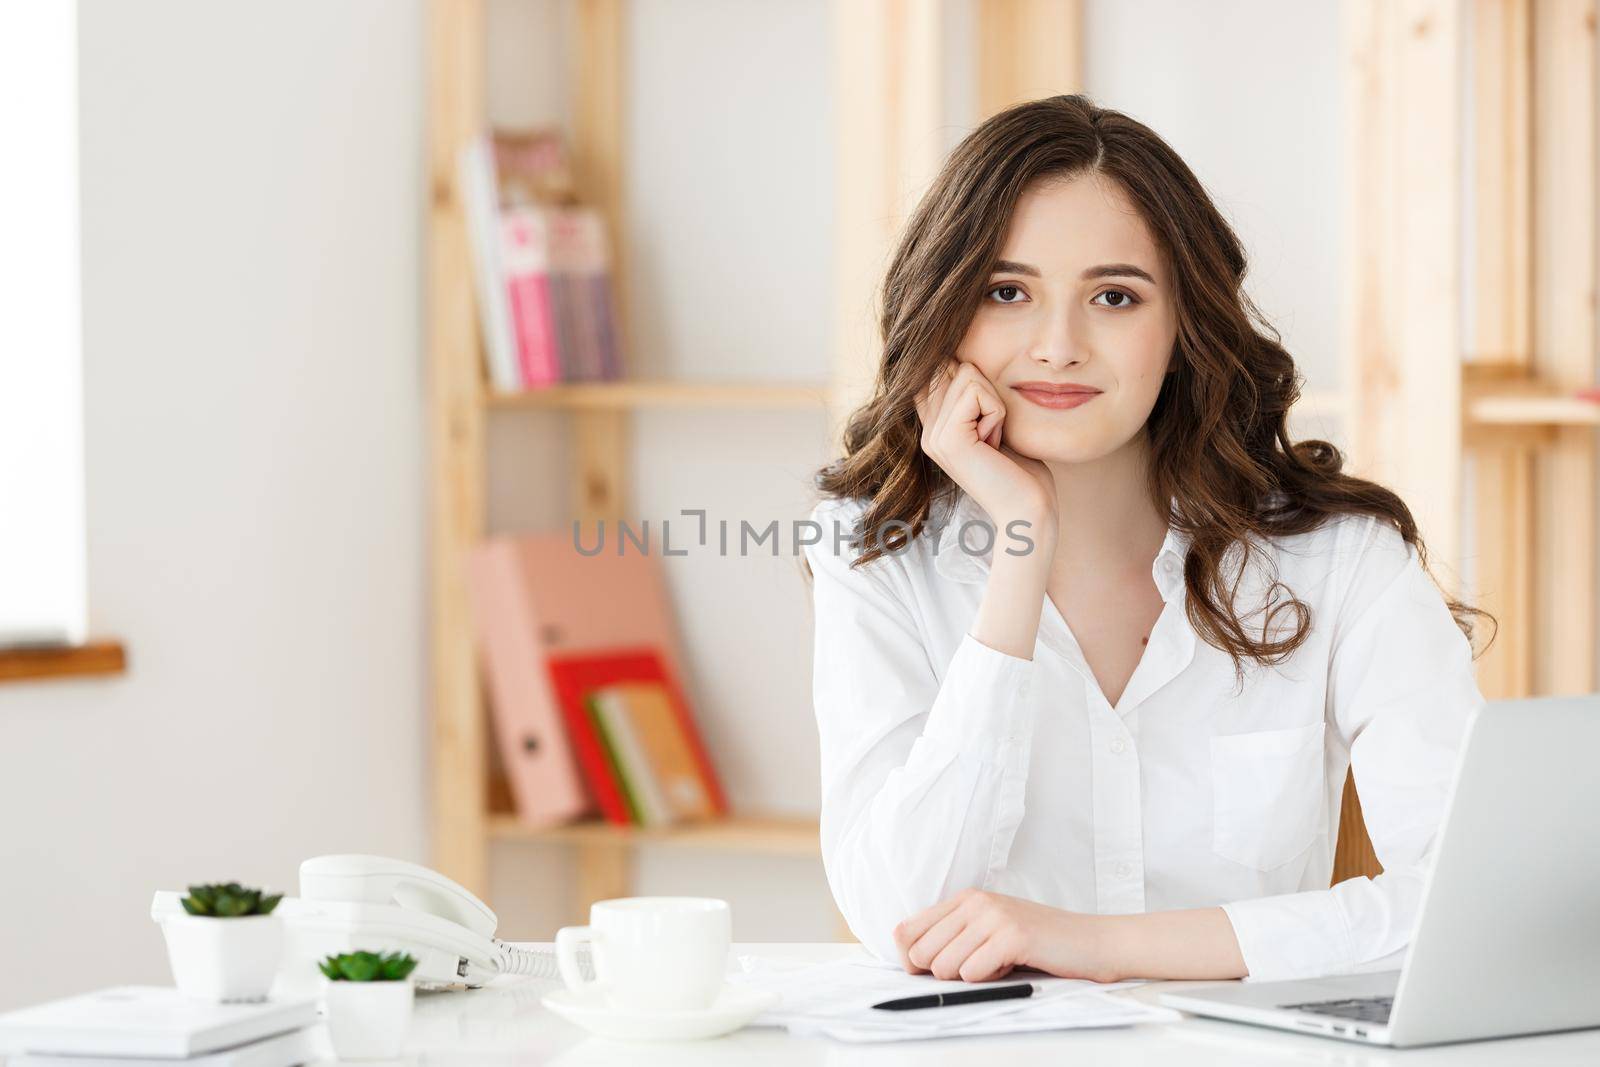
1219,443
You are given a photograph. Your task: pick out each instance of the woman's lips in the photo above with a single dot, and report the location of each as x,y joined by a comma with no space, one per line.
1047,399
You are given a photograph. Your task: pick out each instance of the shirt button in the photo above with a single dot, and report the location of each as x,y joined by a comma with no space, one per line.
1118,745
1168,565
1124,870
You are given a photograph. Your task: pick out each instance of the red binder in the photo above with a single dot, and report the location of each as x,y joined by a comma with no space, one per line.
575,675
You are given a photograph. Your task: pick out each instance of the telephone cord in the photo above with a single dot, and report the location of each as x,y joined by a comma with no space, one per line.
538,963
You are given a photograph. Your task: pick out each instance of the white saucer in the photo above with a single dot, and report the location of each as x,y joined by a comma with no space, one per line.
733,1007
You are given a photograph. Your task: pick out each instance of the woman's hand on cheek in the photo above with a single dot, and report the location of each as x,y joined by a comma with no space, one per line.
979,936
962,422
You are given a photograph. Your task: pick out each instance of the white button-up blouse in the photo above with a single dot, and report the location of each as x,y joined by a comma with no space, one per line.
947,764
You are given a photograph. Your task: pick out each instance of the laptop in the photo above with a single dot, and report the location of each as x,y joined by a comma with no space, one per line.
1507,940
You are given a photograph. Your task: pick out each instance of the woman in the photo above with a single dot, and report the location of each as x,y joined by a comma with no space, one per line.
1089,680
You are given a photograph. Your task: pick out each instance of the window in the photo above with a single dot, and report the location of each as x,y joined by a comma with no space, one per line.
42,540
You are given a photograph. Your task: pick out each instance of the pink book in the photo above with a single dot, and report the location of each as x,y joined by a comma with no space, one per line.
526,720
577,253
525,241
599,602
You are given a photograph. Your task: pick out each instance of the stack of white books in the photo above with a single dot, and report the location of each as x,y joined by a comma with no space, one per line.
143,1026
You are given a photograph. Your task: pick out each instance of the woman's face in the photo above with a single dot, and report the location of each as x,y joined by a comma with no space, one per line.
1080,297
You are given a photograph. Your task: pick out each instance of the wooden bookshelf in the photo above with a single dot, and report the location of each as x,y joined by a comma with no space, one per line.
460,402
33,664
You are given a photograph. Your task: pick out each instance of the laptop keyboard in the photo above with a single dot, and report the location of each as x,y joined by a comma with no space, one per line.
1362,1009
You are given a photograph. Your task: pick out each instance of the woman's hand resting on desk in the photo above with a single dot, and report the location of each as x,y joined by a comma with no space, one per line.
978,936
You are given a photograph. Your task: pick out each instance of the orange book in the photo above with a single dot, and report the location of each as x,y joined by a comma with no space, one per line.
655,754
582,677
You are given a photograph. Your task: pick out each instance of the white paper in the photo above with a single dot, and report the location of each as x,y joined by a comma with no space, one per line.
835,1000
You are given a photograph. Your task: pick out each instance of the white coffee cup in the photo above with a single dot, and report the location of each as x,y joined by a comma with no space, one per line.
651,953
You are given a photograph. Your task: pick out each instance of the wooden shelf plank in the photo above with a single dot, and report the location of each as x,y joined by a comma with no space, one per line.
1520,408
778,835
629,395
96,657
1508,394
456,424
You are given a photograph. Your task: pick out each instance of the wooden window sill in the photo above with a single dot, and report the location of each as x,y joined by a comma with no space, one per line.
97,657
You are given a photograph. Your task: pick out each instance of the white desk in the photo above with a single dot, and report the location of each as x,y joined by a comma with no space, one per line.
505,1024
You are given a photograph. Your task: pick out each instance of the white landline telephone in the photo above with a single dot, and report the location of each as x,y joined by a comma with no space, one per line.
354,902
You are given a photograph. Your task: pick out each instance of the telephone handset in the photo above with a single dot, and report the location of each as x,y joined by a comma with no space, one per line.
409,905
351,902
376,880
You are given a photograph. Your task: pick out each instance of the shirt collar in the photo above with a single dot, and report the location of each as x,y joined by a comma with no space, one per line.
968,565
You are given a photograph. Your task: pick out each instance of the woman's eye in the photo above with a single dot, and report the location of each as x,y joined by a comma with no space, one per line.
1009,291
1124,299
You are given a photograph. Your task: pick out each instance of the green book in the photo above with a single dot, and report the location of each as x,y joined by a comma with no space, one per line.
608,744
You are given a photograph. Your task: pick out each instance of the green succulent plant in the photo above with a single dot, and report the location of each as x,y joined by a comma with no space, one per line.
228,901
368,967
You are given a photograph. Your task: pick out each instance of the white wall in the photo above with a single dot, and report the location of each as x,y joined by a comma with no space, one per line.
251,199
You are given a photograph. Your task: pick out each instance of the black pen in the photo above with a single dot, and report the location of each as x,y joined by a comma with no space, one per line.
960,996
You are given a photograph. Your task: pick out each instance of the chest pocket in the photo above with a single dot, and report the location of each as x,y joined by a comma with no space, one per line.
1267,794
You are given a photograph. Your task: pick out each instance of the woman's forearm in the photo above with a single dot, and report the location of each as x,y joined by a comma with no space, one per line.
1189,943
1013,599
979,936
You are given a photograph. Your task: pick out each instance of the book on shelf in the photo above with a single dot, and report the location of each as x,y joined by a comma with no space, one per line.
659,757
525,259
634,735
545,784
541,264
532,166
580,661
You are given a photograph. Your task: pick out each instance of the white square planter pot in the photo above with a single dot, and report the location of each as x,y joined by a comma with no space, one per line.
368,1020
224,959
